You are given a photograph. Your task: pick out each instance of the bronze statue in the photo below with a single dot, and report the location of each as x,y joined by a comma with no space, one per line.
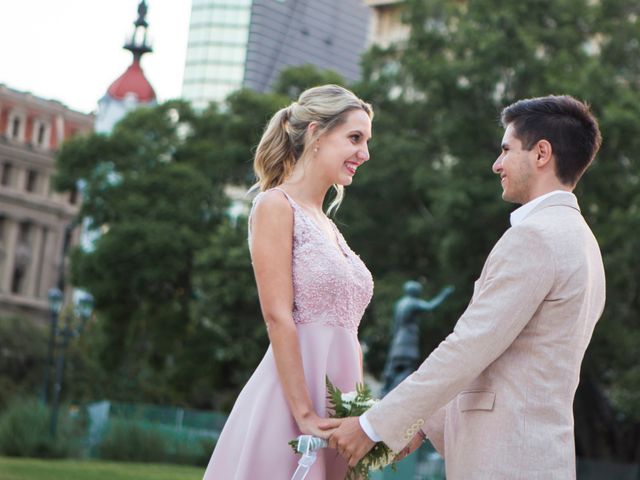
404,353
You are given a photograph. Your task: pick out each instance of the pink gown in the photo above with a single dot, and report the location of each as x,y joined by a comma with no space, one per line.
332,287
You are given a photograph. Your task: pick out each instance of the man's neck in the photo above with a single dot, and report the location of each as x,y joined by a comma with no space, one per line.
541,190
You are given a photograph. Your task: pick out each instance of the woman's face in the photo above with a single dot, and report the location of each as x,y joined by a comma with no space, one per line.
344,149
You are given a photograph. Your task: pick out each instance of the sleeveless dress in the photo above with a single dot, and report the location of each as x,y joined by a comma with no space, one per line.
332,287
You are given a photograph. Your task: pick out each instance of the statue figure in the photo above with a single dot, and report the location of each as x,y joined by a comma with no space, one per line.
404,353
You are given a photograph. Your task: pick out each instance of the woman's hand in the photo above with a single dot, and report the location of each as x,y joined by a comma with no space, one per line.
310,425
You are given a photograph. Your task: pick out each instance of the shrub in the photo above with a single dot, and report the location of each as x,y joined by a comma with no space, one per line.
24,432
23,347
128,441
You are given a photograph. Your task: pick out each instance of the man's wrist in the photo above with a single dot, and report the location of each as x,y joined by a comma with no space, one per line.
367,428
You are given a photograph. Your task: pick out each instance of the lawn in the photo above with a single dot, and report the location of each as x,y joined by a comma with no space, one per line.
32,469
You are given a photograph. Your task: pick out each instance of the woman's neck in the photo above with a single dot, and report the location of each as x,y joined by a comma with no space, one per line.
309,194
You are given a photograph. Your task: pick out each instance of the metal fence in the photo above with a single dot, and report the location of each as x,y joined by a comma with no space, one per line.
188,434
188,430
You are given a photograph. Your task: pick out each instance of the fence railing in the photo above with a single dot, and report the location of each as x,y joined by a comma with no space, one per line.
188,429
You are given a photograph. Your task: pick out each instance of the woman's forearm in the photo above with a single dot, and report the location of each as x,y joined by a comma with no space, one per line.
286,351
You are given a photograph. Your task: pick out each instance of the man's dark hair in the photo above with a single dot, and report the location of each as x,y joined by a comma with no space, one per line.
566,123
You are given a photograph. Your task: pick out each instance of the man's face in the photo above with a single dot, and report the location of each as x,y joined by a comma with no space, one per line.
515,167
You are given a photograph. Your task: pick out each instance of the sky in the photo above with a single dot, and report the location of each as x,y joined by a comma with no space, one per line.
71,50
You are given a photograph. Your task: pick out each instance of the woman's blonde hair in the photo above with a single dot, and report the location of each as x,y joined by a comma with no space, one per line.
284,141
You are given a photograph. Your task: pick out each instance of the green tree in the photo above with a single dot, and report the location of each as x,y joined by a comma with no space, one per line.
428,206
170,271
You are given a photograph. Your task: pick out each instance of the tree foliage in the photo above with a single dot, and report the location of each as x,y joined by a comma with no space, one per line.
170,271
171,275
427,205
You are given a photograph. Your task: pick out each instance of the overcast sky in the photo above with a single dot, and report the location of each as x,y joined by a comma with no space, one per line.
71,50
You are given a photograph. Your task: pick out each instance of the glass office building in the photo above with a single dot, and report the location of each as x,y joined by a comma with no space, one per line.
245,43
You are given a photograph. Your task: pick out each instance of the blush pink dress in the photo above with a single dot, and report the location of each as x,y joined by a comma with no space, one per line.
332,287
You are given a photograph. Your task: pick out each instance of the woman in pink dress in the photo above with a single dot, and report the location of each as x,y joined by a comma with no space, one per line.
313,289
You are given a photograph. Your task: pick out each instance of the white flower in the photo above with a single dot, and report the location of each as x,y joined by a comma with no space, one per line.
367,403
348,397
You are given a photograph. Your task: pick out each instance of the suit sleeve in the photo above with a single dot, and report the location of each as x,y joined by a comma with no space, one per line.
434,429
517,277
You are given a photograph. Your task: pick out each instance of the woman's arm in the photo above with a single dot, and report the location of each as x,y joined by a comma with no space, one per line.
271,254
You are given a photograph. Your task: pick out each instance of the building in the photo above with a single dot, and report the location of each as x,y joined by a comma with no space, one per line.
246,43
387,27
131,89
33,217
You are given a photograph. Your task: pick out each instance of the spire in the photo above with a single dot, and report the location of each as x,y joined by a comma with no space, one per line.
131,89
137,43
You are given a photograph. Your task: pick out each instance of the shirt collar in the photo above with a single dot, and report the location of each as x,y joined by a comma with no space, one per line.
519,214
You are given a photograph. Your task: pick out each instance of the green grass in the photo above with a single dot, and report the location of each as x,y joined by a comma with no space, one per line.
33,469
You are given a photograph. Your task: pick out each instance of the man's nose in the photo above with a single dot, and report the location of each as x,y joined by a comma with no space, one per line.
497,165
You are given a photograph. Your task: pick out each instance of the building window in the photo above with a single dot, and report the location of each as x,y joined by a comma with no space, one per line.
73,196
15,128
22,258
7,174
41,134
18,280
31,183
24,233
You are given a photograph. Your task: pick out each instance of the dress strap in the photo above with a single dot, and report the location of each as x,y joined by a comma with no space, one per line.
291,201
260,195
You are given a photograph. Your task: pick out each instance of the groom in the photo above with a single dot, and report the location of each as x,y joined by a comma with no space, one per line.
495,397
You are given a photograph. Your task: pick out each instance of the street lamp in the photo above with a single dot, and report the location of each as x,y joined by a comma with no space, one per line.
83,310
55,305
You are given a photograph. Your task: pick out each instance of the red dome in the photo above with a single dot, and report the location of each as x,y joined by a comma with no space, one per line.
132,81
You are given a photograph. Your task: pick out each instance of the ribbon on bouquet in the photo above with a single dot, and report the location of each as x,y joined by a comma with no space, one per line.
307,446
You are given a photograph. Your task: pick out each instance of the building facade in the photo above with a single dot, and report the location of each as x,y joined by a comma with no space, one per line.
246,43
387,27
33,217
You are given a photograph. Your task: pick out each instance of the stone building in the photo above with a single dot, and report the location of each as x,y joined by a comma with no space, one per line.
34,219
387,27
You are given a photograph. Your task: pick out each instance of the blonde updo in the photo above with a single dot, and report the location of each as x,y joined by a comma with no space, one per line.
285,139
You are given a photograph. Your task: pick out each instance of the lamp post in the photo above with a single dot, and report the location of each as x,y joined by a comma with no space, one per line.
55,305
83,311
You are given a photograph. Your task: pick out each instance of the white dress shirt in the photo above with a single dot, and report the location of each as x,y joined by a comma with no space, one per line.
517,216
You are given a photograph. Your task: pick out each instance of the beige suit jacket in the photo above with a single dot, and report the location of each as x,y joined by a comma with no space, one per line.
496,396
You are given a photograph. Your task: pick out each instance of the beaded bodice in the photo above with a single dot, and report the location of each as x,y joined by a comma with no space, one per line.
331,284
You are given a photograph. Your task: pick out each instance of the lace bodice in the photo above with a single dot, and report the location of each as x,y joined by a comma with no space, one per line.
331,285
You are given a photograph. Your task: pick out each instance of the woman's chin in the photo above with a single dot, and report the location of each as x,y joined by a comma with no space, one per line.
345,180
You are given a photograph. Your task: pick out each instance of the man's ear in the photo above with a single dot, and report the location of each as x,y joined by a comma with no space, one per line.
544,152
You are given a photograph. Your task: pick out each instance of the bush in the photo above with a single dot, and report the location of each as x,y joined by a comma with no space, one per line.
23,349
24,432
191,450
127,441
139,441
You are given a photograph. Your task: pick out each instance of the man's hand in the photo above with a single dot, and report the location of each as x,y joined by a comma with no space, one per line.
349,439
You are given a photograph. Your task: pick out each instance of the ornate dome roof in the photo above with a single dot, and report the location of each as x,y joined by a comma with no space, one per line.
132,81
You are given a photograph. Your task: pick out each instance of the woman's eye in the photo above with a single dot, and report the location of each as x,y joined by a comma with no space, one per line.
355,138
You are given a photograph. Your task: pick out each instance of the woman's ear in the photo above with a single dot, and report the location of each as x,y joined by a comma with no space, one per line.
312,128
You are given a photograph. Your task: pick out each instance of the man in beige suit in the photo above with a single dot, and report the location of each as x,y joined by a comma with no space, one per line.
496,396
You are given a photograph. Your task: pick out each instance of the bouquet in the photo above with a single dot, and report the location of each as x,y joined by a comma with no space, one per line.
354,404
